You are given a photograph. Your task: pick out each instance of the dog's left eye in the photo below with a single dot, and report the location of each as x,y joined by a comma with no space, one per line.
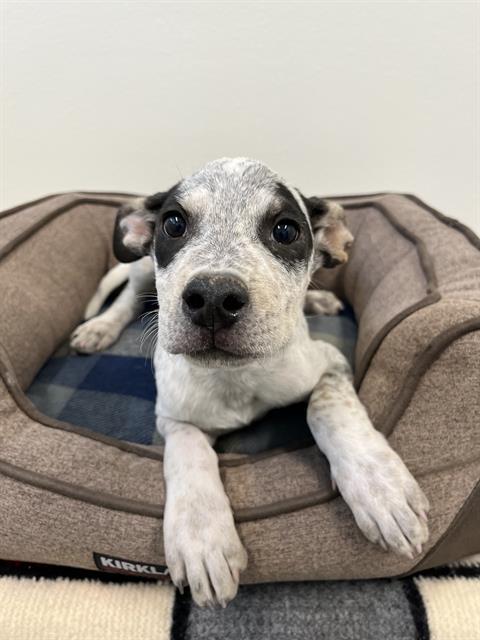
286,231
174,225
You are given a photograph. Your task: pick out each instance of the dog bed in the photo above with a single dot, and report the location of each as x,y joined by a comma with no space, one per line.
74,497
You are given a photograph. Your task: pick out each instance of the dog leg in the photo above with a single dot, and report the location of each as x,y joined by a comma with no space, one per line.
202,546
110,281
103,330
386,501
320,302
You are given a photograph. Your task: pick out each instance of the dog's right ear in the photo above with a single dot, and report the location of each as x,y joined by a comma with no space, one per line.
332,238
134,227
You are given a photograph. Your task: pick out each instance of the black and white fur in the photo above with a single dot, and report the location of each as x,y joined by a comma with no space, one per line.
217,368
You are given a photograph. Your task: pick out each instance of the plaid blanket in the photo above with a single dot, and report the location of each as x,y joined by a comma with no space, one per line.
114,392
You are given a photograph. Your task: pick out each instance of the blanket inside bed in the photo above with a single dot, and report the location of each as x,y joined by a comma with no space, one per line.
113,392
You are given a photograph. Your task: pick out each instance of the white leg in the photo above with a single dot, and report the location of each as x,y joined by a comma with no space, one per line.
110,281
386,501
202,546
102,331
320,302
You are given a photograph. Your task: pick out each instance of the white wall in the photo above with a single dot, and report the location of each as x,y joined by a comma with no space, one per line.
337,97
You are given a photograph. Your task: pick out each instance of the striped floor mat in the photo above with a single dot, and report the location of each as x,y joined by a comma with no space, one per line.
42,603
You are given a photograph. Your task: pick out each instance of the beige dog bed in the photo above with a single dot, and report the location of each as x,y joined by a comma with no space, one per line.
70,496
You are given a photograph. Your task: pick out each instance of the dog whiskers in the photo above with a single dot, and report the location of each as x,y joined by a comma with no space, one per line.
148,340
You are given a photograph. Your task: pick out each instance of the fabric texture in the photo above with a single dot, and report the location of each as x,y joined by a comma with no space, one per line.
48,603
79,609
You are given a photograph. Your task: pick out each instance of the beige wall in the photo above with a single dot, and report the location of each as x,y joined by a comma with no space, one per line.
337,97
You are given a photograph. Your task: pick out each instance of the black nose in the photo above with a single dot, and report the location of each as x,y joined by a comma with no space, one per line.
214,301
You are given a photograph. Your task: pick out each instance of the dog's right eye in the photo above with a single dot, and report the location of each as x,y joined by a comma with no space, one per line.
174,225
285,231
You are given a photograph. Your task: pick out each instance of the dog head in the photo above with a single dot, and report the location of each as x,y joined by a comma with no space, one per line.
234,248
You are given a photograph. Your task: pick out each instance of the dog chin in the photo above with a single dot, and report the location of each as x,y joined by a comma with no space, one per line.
216,358
202,349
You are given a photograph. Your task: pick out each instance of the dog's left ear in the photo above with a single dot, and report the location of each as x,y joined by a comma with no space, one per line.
332,239
134,227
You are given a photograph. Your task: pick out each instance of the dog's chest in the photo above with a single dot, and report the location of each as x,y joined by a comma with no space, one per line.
225,399
215,401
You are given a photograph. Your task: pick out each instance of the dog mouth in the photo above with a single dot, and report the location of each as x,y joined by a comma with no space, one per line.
219,350
215,348
214,355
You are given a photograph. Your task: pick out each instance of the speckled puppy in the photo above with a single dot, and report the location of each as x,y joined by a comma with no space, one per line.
234,248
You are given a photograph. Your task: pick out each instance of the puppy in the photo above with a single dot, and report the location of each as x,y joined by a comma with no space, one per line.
231,250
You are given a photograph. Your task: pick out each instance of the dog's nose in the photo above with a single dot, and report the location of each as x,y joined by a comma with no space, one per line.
215,301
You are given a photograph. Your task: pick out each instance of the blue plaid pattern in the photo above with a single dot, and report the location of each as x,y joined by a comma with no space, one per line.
114,392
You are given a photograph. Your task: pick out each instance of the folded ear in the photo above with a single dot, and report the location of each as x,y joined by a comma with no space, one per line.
134,227
332,239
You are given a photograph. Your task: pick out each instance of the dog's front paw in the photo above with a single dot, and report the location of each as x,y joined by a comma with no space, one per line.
203,549
94,335
387,502
319,302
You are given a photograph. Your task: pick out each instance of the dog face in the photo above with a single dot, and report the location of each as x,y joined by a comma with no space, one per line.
234,248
